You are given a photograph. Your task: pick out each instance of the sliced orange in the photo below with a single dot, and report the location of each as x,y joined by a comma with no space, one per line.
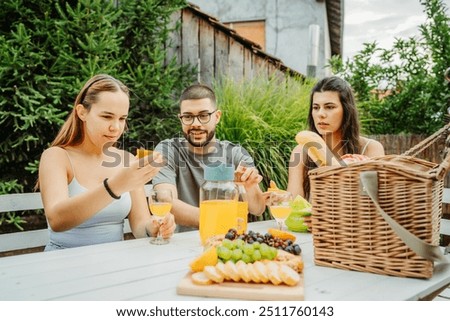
273,187
140,152
282,234
208,257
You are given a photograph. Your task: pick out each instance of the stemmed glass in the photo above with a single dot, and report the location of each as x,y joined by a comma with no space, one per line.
160,203
280,206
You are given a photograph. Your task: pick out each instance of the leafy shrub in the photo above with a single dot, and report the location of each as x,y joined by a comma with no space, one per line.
49,48
410,76
264,116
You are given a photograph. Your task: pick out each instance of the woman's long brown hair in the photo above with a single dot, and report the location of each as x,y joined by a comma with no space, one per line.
72,131
350,120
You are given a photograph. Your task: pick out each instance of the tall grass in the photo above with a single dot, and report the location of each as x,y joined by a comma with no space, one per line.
264,117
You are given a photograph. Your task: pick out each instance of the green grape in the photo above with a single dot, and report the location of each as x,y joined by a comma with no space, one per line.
265,251
256,245
224,253
256,255
246,258
228,244
235,244
236,255
248,249
273,253
239,243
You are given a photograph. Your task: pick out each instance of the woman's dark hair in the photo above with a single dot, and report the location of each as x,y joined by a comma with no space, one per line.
350,119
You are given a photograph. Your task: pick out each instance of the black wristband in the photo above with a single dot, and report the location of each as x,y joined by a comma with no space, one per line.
105,183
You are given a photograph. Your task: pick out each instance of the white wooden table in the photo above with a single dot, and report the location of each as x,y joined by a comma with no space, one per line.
137,270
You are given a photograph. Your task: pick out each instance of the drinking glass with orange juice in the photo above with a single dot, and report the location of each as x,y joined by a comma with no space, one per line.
280,206
160,204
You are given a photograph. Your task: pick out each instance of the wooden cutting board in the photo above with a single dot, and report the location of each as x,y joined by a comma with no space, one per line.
242,290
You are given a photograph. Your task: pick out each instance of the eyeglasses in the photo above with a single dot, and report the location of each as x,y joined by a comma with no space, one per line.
203,118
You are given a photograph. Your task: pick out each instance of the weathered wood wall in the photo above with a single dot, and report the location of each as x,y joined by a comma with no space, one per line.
217,50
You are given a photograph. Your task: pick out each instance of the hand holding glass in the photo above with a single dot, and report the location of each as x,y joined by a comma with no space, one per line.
280,207
160,203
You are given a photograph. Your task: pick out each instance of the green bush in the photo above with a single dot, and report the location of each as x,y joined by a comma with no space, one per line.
411,73
49,48
264,116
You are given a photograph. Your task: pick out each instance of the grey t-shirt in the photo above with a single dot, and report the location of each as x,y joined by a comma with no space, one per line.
184,169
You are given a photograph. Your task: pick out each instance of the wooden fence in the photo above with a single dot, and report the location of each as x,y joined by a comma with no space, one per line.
398,144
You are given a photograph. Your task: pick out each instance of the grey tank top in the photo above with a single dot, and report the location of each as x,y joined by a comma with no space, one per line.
105,226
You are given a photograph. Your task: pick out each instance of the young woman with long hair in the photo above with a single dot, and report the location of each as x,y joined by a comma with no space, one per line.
88,185
333,116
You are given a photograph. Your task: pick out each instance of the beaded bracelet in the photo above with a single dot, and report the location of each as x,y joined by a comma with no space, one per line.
105,183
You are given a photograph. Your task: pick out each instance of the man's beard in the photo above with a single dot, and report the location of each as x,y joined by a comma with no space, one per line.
209,138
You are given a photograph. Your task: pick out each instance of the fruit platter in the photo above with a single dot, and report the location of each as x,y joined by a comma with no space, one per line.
249,266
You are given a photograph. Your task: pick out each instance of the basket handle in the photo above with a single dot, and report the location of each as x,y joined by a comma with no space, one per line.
424,144
443,167
369,181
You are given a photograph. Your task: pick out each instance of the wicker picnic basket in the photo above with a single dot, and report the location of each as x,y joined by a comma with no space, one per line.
366,213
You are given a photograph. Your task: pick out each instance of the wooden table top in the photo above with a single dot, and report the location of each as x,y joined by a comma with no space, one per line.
138,270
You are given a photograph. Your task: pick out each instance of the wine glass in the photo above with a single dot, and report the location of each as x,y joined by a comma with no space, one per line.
280,206
160,203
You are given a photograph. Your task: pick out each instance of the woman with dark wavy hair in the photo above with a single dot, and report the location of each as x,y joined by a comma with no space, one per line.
333,116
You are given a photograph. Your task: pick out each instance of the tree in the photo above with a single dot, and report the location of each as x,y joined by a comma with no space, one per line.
402,89
49,48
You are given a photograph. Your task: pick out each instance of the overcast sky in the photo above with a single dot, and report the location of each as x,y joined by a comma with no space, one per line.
381,21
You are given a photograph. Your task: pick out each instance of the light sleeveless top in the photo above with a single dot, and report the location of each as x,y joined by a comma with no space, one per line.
365,146
105,226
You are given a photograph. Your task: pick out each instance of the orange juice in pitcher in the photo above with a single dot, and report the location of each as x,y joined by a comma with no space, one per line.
217,217
218,202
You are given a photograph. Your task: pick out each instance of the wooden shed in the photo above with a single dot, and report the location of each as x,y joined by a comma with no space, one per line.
203,41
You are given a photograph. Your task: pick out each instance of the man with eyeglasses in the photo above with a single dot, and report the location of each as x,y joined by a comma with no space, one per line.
186,158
